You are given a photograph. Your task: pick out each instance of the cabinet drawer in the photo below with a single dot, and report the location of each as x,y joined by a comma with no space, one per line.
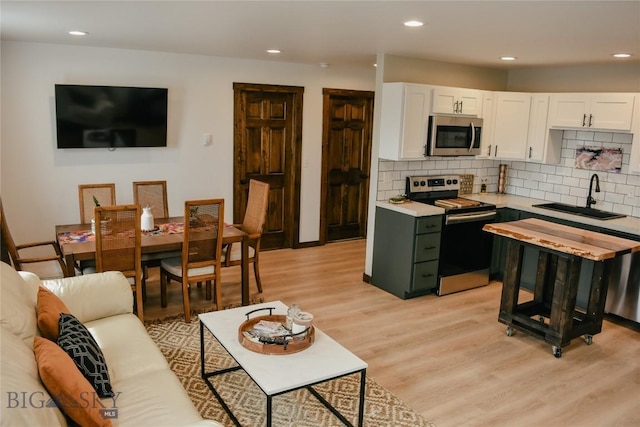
427,247
428,224
425,275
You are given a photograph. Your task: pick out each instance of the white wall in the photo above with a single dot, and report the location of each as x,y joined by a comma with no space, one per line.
39,182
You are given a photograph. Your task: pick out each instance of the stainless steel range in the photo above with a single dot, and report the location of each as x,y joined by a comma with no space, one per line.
465,250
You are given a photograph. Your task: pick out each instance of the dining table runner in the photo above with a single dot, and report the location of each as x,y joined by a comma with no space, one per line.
88,236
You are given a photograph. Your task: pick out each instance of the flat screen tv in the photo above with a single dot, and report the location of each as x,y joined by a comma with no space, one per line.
110,116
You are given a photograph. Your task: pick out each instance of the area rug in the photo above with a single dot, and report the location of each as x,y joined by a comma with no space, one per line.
180,344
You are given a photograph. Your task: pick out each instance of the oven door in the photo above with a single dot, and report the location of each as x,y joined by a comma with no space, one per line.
454,136
465,252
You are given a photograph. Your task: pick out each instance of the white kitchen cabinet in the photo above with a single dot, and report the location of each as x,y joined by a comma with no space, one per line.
511,125
449,100
488,118
404,121
634,161
612,111
543,145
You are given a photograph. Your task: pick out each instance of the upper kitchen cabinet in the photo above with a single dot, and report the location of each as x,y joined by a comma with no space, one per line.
611,111
448,100
488,118
511,125
634,161
404,121
543,145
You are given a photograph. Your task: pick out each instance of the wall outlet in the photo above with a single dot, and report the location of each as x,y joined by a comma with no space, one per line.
207,139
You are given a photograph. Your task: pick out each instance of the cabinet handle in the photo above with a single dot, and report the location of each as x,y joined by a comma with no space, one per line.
460,111
530,151
430,247
584,120
489,152
590,118
495,154
427,275
455,107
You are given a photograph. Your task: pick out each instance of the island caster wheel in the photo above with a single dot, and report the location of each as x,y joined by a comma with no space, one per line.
588,339
509,331
557,352
541,319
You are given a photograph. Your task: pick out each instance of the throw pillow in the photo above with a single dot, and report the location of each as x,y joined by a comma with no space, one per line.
71,391
48,308
76,340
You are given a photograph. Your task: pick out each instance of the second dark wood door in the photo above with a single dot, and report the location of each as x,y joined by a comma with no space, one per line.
346,160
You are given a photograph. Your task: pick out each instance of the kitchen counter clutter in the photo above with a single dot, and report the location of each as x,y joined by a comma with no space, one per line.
552,314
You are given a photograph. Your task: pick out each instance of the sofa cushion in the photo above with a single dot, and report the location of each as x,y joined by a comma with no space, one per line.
48,308
94,296
71,391
78,343
17,304
24,398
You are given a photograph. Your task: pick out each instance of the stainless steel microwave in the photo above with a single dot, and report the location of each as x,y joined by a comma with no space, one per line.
454,136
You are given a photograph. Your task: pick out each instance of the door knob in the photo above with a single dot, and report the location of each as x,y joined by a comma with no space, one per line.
244,181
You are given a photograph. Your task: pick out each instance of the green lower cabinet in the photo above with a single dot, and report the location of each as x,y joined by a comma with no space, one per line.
405,253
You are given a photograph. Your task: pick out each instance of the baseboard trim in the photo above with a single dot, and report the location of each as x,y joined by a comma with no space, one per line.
366,278
308,244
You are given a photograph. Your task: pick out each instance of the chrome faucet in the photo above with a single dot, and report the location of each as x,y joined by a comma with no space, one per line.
590,199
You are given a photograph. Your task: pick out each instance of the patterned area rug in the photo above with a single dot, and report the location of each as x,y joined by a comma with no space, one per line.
180,344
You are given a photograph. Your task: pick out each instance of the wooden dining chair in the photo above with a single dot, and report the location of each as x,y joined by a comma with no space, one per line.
201,252
46,263
119,246
105,194
152,194
252,224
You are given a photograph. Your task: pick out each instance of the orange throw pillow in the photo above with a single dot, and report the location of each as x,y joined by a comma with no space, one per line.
74,395
48,308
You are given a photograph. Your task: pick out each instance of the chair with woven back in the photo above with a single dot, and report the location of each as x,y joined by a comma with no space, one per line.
88,194
119,246
46,263
152,194
253,224
201,252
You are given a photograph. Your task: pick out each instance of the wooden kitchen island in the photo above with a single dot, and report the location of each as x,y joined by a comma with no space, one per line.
552,315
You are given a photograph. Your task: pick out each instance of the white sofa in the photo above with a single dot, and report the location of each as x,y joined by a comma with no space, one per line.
148,393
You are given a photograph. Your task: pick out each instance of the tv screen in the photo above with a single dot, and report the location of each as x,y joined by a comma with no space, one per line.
110,116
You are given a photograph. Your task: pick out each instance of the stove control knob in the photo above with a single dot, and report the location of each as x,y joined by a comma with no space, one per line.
448,182
423,183
455,181
416,183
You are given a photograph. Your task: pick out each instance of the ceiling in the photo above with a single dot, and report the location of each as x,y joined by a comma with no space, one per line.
343,33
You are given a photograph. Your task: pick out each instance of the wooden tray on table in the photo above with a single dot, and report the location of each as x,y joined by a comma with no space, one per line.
294,343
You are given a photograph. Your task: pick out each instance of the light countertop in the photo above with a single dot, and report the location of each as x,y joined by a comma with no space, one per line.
628,224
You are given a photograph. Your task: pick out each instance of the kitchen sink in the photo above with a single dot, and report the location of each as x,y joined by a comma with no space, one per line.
579,210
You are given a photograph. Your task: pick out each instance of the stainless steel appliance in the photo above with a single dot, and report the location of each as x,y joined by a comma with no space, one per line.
454,136
465,250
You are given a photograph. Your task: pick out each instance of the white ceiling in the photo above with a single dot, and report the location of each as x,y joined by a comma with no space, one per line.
539,33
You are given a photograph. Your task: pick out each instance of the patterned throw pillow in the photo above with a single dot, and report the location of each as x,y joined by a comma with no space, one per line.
76,340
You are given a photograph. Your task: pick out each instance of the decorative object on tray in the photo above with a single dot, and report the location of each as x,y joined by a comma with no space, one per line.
267,334
400,198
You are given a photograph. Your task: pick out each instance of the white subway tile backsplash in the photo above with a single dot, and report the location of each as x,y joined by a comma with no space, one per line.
620,192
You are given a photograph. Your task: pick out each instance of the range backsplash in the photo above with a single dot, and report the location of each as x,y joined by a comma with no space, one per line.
556,183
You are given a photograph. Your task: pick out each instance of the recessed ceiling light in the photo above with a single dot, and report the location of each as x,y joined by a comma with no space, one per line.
273,50
508,58
413,24
78,33
621,55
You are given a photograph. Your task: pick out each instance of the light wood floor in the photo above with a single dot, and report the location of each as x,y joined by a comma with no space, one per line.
448,357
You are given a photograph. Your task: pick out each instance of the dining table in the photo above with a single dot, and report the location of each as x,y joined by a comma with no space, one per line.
77,243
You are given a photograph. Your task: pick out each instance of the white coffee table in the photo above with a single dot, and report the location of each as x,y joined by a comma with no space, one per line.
324,360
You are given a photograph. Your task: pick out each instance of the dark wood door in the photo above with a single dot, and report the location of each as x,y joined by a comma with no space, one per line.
267,147
346,161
